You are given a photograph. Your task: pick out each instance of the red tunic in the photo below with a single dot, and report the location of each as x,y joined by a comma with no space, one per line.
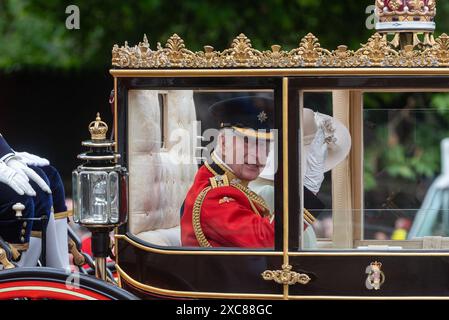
227,217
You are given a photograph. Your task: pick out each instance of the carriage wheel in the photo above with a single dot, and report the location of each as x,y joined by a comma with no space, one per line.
48,283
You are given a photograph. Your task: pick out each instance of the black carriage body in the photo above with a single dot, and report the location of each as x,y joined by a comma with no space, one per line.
151,271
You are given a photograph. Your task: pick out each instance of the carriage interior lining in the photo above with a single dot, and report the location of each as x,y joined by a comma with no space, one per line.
157,182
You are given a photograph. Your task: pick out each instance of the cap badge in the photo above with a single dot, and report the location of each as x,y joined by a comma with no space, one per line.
262,116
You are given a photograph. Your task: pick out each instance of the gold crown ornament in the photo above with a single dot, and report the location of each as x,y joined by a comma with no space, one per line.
98,128
406,19
406,15
405,50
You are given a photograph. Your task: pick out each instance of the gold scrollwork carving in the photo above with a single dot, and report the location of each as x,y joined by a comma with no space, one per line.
286,276
377,52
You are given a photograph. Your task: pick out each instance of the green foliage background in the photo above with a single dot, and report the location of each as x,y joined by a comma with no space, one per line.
33,33
33,37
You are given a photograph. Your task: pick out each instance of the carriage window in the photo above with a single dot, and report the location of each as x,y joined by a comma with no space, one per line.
210,183
390,191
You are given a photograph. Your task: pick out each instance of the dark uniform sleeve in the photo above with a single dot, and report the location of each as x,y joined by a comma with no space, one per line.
311,201
5,150
312,206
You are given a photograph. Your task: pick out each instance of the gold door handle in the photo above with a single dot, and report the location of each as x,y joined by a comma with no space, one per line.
286,276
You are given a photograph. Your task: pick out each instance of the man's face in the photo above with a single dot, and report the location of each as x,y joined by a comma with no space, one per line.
246,156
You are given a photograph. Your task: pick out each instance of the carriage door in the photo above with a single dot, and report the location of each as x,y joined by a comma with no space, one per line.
168,139
368,200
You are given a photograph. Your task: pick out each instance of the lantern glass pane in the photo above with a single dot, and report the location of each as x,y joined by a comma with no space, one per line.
94,198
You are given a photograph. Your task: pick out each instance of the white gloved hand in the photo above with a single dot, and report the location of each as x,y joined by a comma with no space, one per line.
33,160
314,175
22,169
16,181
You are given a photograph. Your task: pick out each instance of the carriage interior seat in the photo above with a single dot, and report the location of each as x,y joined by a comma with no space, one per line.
158,183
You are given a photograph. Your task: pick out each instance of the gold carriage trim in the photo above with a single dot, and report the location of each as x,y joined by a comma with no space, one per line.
286,276
377,52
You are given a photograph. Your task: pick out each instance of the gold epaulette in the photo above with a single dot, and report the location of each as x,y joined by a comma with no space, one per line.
219,181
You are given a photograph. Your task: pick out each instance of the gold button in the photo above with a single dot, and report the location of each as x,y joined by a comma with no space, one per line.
25,224
22,239
23,232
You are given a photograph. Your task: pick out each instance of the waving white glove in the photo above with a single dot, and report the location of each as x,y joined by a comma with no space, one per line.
22,169
314,175
16,181
33,160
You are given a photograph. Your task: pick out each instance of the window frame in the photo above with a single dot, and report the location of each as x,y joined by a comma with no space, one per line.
124,84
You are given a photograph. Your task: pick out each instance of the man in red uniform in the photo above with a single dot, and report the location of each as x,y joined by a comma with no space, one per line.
220,210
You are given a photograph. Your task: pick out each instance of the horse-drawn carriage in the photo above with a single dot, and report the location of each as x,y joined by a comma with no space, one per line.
163,132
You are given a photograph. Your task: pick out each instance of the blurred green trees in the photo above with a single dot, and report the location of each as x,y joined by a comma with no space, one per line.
33,36
33,33
407,129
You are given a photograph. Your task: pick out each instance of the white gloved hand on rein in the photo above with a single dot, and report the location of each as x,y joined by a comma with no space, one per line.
33,160
21,168
314,175
16,181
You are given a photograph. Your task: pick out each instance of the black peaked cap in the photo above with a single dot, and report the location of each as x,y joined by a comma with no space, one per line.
251,112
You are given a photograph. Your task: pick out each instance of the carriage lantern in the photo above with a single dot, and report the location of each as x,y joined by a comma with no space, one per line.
100,187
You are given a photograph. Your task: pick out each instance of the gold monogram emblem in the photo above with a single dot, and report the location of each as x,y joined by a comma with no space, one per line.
375,276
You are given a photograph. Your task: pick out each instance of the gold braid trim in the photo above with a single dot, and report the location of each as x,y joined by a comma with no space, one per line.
196,213
36,234
210,169
64,214
252,196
